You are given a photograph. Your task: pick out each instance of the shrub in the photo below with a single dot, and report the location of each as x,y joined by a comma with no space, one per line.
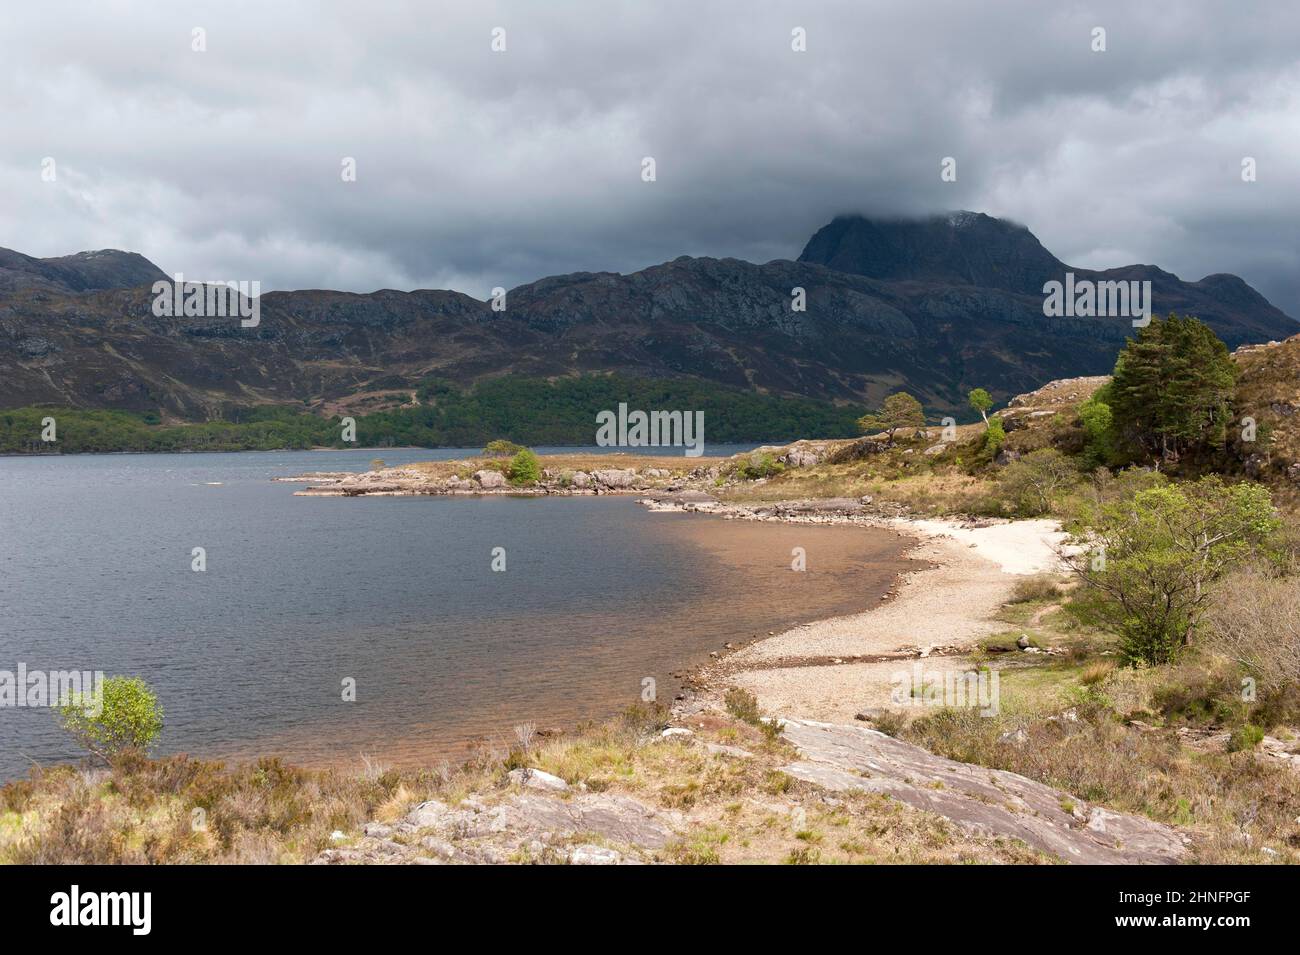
501,448
1030,485
1254,620
127,717
1149,563
1038,587
743,705
995,435
759,466
525,468
1245,737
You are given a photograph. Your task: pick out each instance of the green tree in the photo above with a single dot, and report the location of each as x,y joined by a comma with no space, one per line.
126,716
1172,388
995,435
1098,423
981,401
1148,563
899,410
525,468
501,448
1031,484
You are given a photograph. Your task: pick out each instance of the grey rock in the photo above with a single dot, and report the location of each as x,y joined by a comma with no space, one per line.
615,477
616,818
799,458
490,478
978,799
536,779
594,855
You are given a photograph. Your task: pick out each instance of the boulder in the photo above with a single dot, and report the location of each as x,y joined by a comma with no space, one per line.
490,478
799,458
581,479
615,477
536,779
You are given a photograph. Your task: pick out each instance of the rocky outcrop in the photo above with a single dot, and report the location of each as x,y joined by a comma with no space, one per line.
615,477
528,826
980,800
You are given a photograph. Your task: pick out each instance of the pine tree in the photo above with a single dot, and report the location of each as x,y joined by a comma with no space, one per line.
1172,388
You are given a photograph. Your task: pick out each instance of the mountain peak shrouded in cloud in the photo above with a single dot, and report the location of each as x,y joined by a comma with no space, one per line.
937,305
477,169
959,248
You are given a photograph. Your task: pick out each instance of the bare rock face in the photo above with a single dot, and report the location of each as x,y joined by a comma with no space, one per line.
535,824
581,479
799,458
490,478
980,800
615,477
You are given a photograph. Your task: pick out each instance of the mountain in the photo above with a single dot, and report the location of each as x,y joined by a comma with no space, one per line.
935,306
83,272
964,248
974,249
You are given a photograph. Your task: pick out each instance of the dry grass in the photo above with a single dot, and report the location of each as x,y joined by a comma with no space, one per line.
1255,620
1037,587
182,810
1235,803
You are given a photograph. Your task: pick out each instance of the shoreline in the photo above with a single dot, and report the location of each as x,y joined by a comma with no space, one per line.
835,668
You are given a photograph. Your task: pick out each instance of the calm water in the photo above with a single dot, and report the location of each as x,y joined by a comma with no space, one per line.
395,593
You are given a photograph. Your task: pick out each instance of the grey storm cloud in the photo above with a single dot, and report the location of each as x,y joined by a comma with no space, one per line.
478,168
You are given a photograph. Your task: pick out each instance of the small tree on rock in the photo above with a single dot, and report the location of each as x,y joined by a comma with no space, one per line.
899,410
981,401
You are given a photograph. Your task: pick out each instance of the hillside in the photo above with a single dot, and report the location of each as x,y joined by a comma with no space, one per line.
937,308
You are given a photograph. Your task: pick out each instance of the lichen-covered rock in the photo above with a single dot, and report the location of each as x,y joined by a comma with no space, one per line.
980,800
615,477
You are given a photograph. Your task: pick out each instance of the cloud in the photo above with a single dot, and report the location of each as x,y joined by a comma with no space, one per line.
478,168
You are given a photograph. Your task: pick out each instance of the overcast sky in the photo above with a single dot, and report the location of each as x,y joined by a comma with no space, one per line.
478,168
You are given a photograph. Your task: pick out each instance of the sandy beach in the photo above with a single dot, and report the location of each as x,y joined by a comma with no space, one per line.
938,611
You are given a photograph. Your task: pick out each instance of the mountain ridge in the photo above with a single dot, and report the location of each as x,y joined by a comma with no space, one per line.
946,310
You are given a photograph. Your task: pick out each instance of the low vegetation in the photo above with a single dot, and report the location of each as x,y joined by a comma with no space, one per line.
438,413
